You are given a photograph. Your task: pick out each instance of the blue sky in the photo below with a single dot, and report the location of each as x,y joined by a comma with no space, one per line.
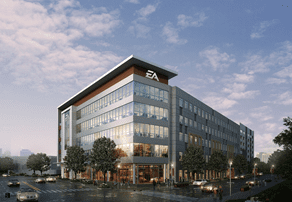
236,56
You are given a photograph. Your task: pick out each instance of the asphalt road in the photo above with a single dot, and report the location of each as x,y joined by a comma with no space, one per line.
64,190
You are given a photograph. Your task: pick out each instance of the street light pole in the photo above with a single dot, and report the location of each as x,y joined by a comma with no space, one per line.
254,171
230,176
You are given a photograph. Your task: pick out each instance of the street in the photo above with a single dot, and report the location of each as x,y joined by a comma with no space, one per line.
64,190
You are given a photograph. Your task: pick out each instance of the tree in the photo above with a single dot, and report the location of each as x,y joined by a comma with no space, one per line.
193,160
75,159
240,163
104,157
6,164
285,137
218,162
39,161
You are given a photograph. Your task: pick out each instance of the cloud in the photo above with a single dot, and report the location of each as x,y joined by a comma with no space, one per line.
284,98
261,28
39,44
145,11
275,81
139,30
217,102
285,72
175,68
236,91
188,21
215,59
244,78
171,34
133,1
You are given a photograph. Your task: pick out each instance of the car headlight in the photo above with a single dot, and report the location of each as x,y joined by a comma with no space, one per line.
9,183
18,183
22,197
202,187
36,195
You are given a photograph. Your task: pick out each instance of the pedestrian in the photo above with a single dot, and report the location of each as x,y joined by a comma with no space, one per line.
215,195
154,184
220,193
168,182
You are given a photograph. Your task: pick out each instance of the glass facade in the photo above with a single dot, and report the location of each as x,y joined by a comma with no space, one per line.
67,128
149,111
150,92
152,131
150,150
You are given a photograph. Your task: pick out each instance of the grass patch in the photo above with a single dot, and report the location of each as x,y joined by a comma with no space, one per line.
279,192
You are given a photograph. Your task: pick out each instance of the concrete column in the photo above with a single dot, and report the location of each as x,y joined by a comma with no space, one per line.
91,173
134,173
137,173
107,174
164,172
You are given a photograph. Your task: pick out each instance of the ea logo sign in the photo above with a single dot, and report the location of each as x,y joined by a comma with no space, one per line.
150,74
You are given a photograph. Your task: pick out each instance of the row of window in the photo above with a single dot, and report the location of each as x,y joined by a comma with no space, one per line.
150,111
207,129
205,114
152,131
150,150
119,94
113,115
150,92
118,132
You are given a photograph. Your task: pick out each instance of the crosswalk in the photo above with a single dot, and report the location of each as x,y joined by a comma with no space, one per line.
172,197
58,191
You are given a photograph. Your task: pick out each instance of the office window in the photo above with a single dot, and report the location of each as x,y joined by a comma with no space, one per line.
181,136
203,113
195,124
186,104
199,111
191,123
180,156
180,102
195,109
191,107
191,139
186,138
186,121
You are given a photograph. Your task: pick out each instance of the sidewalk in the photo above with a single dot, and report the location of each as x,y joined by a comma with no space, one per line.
244,195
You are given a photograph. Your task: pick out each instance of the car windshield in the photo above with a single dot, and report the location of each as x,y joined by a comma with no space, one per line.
14,180
27,190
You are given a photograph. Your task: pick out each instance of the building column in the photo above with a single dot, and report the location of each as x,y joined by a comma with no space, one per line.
164,172
137,174
107,175
134,173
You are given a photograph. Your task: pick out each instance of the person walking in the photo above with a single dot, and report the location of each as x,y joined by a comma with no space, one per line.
220,193
154,184
215,195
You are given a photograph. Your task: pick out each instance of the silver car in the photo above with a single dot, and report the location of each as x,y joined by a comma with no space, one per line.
27,194
5,175
51,179
199,182
40,180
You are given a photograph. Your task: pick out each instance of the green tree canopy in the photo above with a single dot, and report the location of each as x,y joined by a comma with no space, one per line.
103,155
285,137
193,160
6,164
218,162
75,159
240,163
39,161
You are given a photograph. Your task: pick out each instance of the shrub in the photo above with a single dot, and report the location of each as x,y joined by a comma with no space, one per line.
34,175
244,187
181,184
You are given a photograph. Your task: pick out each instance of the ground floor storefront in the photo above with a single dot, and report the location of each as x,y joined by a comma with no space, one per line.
143,173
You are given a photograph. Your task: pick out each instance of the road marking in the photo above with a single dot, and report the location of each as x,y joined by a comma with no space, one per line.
37,189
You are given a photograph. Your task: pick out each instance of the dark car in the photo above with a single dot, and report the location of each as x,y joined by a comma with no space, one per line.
242,176
252,182
209,187
13,182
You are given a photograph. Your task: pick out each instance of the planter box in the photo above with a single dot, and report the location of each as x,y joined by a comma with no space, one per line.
244,188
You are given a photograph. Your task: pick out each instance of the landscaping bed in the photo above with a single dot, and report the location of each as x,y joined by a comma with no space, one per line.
279,192
244,188
181,184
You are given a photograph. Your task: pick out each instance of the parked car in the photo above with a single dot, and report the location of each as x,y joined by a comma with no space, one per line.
242,176
236,177
259,174
252,182
51,179
199,182
40,180
209,187
5,175
27,194
13,182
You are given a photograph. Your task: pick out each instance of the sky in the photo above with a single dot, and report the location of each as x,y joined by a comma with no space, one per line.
235,56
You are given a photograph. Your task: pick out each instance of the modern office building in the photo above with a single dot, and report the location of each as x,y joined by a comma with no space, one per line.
25,152
264,157
246,142
150,120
